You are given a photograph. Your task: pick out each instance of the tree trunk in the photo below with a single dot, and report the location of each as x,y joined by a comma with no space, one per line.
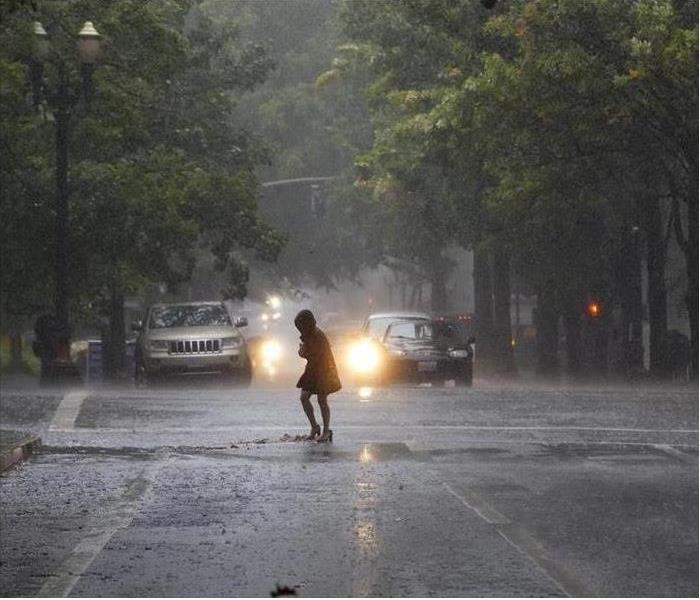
114,349
483,309
503,350
656,265
574,348
691,262
438,291
546,318
598,331
15,352
631,304
412,299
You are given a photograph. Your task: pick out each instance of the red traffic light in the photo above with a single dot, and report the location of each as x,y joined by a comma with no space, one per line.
593,309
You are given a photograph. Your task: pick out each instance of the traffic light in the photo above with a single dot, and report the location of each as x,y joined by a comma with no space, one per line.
594,309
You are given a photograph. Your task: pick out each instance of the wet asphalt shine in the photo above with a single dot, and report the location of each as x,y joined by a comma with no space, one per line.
493,491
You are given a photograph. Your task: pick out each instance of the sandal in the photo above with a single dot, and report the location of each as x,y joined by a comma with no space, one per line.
315,432
326,437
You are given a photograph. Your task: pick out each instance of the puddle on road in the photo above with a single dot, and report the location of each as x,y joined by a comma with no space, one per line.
287,448
606,453
269,450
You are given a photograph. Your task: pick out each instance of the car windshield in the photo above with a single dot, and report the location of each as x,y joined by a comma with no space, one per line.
377,326
411,330
205,315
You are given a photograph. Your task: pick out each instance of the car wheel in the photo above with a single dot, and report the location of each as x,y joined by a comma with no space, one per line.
244,377
463,381
464,377
240,377
140,377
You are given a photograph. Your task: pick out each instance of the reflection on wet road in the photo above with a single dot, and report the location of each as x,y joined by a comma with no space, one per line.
482,492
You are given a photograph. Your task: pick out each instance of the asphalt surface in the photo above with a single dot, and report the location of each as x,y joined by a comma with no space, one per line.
493,491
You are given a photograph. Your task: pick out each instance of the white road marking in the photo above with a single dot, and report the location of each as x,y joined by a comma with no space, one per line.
674,452
523,542
60,584
67,411
477,504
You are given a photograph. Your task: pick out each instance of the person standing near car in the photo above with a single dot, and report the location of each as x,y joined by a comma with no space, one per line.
320,376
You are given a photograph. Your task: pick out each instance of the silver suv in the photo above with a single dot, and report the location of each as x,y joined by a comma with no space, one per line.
192,338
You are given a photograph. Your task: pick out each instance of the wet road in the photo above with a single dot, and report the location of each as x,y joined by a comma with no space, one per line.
494,491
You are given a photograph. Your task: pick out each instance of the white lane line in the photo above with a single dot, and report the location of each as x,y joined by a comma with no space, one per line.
675,453
62,582
477,504
67,411
523,542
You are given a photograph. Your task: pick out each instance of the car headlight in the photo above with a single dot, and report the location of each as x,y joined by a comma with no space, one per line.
364,357
158,345
458,353
230,342
271,351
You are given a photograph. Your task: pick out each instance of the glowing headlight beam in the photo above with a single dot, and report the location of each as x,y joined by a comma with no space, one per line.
271,351
364,357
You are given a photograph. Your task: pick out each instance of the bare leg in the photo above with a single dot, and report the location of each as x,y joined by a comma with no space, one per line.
305,398
326,414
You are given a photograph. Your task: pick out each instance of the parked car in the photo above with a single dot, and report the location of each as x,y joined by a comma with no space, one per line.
411,347
192,338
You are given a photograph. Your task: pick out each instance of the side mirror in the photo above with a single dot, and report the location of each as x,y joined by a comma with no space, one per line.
240,322
137,326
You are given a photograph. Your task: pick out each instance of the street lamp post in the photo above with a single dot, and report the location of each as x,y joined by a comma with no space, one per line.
61,101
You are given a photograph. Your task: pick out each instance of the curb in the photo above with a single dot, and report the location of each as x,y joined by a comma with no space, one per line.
21,451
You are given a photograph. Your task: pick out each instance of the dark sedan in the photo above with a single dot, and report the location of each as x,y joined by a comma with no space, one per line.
415,350
420,351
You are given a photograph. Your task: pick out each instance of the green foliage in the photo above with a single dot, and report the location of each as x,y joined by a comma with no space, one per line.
532,126
159,165
26,226
424,189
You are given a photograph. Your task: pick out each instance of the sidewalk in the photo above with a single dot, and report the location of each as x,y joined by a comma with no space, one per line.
18,381
15,446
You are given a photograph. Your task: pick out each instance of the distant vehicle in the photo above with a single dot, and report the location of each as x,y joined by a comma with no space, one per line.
191,338
411,347
342,333
273,340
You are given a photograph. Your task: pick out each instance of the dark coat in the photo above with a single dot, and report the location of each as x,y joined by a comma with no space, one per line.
321,374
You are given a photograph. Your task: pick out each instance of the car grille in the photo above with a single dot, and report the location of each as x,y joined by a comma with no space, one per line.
195,347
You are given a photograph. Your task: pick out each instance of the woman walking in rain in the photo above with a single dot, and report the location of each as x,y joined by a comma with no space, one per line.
320,376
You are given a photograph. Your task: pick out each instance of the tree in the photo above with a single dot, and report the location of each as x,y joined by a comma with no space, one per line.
158,163
572,133
424,146
546,118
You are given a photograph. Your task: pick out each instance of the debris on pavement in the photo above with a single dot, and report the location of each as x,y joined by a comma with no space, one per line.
287,437
281,591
